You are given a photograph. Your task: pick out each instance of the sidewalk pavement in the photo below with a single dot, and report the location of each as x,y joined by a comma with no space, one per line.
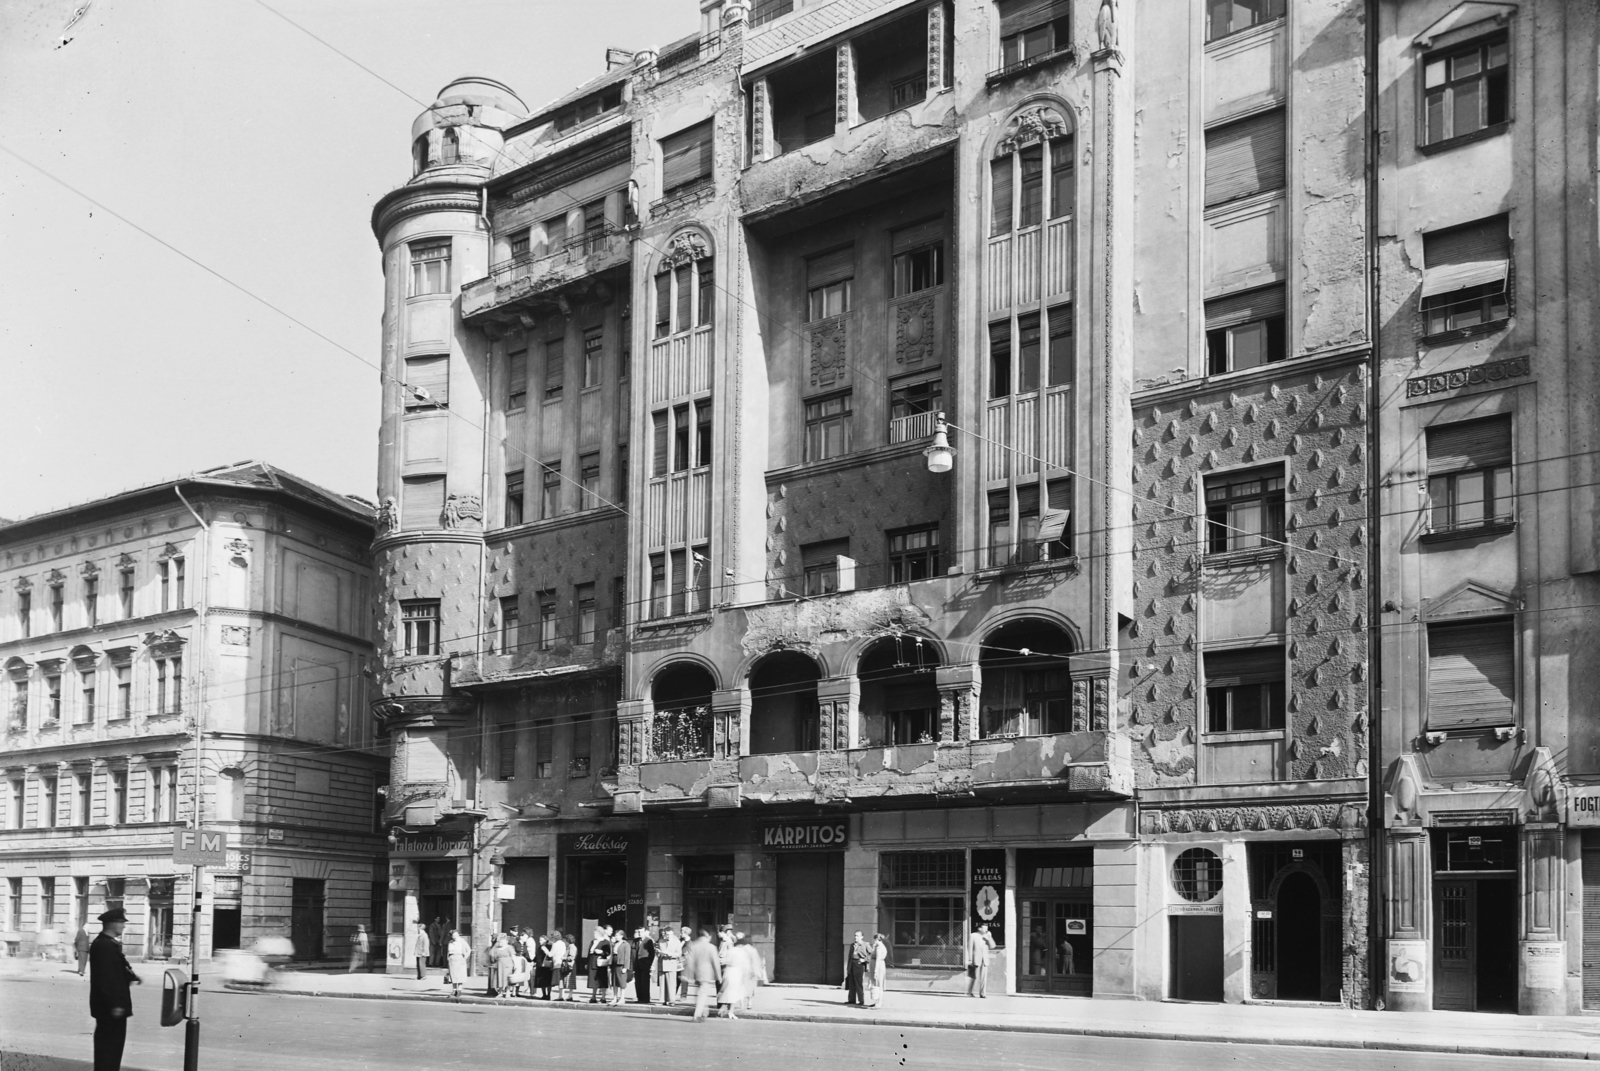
1547,1037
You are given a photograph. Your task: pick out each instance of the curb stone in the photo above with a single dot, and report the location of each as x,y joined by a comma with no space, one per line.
1396,1045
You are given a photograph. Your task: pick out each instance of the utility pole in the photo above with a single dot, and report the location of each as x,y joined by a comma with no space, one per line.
191,1027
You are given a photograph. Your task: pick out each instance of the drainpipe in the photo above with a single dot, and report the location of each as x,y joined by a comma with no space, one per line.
1377,917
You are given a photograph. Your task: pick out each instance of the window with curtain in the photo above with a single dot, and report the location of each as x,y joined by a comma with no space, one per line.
1245,330
1472,675
1246,157
1245,690
430,268
827,427
819,565
1469,474
1244,511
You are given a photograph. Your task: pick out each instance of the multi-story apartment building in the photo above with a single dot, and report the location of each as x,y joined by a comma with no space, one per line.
1485,236
959,413
230,606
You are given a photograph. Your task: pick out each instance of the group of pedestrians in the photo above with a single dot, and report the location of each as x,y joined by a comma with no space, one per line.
866,965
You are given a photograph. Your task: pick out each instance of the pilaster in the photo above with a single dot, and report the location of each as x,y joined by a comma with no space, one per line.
760,121
838,711
959,687
845,114
1542,979
1408,967
730,715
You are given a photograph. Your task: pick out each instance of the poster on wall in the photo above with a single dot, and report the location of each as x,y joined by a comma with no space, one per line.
988,899
1408,967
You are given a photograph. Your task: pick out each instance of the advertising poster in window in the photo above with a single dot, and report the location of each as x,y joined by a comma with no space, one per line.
988,900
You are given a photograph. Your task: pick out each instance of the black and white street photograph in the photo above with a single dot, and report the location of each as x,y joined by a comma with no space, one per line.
892,534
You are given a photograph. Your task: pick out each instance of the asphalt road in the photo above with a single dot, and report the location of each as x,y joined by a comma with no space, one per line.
48,1014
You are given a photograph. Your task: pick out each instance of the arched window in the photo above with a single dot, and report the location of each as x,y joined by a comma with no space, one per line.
419,155
783,704
449,146
1027,689
681,726
899,694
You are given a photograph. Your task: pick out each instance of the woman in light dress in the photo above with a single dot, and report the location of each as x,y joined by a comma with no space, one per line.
456,953
879,968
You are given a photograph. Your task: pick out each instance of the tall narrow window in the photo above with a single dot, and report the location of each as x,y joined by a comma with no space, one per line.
48,803
25,613
58,601
1027,353
91,600
179,600
164,568
555,233
619,602
19,704
1245,157
594,342
682,277
587,622
82,793
582,745
449,146
622,475
1030,203
1469,474
1063,178
702,432
550,491
430,268
555,368
658,585
1061,359
680,581
547,619
999,527
517,379
521,244
589,478
124,677
999,359
419,621
15,810
594,225
505,750
699,578
1000,195
680,439
664,304
706,289
52,692
160,705
509,615
117,805
544,745
514,498
125,593
86,696
1466,90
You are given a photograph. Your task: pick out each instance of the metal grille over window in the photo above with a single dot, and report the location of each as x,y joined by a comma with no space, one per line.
1471,675
1197,875
922,870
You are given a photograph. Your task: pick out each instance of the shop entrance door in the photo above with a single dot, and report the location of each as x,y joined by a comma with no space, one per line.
306,918
1058,942
1196,943
810,918
707,892
1475,944
530,878
436,897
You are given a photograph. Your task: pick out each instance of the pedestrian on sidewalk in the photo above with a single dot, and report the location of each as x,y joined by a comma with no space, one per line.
541,967
669,961
644,958
880,967
599,964
857,957
686,935
621,966
979,945
499,964
735,980
456,953
569,968
521,968
704,970
754,967
360,945
109,1000
438,941
80,946
424,951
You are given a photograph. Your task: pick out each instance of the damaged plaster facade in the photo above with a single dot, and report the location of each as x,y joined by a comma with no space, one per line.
712,638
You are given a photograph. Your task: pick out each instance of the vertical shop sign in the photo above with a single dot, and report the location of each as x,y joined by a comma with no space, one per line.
988,900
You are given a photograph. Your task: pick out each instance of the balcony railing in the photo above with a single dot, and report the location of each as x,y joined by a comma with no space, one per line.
685,52
676,735
1069,52
571,251
908,429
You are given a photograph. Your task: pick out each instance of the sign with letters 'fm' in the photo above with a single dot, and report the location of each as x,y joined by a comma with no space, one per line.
200,847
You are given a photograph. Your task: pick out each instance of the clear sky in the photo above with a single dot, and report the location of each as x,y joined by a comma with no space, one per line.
235,137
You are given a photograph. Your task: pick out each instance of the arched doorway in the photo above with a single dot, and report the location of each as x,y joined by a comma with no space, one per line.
1299,938
1027,686
783,704
681,726
899,693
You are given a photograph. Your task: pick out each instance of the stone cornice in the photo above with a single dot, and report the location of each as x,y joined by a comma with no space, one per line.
435,195
1290,368
427,535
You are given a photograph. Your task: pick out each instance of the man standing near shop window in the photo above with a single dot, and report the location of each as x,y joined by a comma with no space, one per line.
109,999
979,945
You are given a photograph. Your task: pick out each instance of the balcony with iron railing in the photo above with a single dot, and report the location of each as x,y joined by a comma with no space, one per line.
682,55
912,427
535,278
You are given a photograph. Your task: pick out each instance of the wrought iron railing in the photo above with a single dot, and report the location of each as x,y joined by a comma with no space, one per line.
684,733
572,250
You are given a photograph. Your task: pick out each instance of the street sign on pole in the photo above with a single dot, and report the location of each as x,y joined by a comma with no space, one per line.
200,847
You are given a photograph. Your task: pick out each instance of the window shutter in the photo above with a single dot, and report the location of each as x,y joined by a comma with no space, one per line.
1470,444
1470,675
1591,925
658,454
1019,15
1245,157
1245,306
686,157
432,374
815,554
517,365
1478,254
825,268
918,235
1259,665
555,364
1000,194
422,501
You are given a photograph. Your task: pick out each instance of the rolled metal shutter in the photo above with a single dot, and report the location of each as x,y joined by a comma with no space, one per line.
918,235
1258,665
1245,306
1471,675
1019,15
1591,921
1245,157
422,502
1469,444
686,157
830,267
432,374
1478,254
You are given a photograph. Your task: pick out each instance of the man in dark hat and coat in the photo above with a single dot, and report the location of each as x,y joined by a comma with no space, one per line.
109,1000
